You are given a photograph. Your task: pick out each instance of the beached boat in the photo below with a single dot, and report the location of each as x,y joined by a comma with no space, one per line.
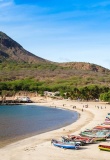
104,147
107,122
101,127
81,138
87,133
64,144
105,128
96,134
77,142
99,139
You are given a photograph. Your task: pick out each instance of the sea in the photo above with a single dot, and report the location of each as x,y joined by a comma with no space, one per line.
21,121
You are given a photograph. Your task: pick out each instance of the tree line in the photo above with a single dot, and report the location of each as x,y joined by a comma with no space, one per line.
91,92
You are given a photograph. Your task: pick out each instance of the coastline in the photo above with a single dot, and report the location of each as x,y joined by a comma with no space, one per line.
71,118
39,146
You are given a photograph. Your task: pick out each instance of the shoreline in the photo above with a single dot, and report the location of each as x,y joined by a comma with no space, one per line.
32,147
9,141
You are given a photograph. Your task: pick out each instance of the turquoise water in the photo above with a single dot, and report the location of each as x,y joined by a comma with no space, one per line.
21,120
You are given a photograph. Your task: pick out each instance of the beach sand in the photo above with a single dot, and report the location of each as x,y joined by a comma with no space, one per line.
39,147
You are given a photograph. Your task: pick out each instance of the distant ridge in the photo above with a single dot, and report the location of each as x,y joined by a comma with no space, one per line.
10,50
84,66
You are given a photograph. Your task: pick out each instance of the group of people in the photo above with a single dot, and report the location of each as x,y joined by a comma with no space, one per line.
100,107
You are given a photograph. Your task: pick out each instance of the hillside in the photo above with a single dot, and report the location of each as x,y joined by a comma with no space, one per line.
84,66
10,50
17,63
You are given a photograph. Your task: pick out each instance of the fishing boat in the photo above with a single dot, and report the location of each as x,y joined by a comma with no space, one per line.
96,134
77,142
107,122
87,133
99,139
64,144
81,138
104,147
103,127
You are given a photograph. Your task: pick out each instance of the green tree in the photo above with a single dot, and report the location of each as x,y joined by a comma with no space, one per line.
105,96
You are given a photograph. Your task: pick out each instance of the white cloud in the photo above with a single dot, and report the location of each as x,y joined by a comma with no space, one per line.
6,3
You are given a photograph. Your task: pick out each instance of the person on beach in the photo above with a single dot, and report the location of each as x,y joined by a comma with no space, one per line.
74,107
82,109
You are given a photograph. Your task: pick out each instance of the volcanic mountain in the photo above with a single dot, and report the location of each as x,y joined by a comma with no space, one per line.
10,50
17,63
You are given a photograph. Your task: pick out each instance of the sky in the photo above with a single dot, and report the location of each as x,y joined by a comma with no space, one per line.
60,30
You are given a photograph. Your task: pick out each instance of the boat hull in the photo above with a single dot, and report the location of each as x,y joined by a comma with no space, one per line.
64,145
104,148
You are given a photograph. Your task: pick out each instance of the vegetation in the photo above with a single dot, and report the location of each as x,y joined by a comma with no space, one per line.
105,96
66,89
21,70
40,77
52,72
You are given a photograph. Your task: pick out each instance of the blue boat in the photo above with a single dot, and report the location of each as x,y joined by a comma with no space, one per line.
63,144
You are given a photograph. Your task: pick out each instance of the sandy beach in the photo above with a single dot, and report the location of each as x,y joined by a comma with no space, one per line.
39,147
